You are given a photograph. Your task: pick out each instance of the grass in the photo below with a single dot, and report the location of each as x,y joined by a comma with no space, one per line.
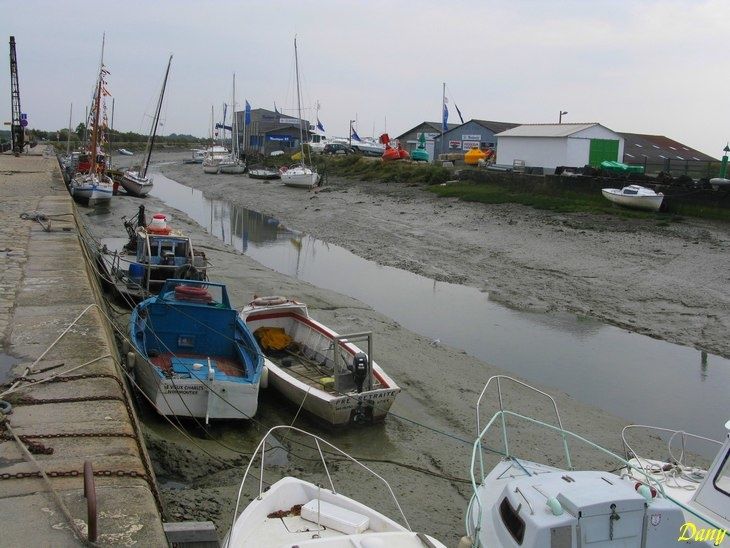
374,169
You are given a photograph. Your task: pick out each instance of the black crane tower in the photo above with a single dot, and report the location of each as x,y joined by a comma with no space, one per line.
17,132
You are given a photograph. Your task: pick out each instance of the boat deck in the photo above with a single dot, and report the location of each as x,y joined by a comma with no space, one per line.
309,372
181,364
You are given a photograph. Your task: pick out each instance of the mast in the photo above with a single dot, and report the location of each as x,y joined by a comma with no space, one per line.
68,140
234,122
111,130
96,108
299,101
443,104
153,130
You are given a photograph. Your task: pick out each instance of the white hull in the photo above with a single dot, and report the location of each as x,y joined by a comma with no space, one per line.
300,177
89,189
647,202
233,169
336,409
211,169
337,514
192,398
134,184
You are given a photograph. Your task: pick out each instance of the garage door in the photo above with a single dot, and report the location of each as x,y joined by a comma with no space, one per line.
603,149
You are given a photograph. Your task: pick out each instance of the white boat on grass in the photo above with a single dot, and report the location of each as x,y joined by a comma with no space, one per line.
136,182
317,369
532,505
294,512
634,196
192,355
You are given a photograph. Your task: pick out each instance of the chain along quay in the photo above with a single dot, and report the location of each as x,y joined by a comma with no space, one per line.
81,432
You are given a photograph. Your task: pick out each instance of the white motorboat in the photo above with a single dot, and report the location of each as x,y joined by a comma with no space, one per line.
634,196
294,512
531,505
125,152
262,172
214,155
315,368
192,355
197,155
137,183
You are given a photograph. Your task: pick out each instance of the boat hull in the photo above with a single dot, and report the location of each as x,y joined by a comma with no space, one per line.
211,169
648,203
333,408
300,177
91,192
135,185
233,169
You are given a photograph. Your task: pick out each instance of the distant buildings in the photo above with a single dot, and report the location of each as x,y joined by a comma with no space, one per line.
269,130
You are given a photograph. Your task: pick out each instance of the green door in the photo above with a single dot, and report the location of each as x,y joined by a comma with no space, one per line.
603,149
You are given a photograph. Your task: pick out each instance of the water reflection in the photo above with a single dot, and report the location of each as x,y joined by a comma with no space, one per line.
637,377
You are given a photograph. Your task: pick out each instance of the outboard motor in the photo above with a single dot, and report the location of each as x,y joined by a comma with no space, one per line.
360,369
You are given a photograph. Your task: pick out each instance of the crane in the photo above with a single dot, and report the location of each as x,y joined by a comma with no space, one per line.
17,129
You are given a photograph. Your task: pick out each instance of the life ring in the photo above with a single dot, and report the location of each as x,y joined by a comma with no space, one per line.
269,301
282,170
191,293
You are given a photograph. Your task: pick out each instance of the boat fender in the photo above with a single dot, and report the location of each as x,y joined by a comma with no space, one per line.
126,347
465,542
130,360
264,381
190,293
269,301
645,491
5,407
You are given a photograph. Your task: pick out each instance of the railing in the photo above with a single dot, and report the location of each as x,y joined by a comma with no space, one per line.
502,414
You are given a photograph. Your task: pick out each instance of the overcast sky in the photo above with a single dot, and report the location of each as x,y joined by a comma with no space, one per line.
635,66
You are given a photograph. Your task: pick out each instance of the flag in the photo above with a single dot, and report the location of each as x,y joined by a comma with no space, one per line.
444,122
223,126
247,116
320,127
459,113
353,134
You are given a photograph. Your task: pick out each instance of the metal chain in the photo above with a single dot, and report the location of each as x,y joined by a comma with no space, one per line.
30,400
76,473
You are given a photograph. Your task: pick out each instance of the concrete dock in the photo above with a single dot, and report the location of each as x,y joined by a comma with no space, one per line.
53,322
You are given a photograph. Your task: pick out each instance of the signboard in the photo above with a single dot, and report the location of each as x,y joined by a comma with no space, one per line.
294,121
476,137
279,138
23,119
466,145
431,136
454,144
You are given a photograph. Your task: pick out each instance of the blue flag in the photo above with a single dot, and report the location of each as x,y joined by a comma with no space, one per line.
355,136
444,123
320,127
247,116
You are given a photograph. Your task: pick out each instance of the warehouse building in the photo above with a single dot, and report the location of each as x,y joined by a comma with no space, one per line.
474,133
269,131
431,130
548,146
659,153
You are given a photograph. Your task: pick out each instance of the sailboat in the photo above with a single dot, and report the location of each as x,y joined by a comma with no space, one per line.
94,187
300,174
136,182
233,164
215,153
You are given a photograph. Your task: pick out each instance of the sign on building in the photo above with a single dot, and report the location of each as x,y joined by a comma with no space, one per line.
475,137
454,145
293,121
466,145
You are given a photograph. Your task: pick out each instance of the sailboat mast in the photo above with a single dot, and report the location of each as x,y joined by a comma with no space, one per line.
153,132
443,104
234,122
299,100
95,131
68,140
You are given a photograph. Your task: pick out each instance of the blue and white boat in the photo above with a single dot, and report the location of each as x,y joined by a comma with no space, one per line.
92,188
193,355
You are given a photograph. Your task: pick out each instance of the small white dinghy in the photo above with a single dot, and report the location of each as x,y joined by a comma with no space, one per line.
317,369
294,512
532,505
634,196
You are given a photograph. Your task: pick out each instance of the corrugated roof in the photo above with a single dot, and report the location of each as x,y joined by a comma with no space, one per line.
546,130
657,148
495,127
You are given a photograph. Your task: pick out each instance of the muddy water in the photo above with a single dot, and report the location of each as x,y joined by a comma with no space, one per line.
633,376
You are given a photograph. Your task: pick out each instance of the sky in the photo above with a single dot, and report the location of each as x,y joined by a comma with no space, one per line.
654,66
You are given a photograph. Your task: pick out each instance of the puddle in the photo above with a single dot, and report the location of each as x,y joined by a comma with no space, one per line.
633,376
6,364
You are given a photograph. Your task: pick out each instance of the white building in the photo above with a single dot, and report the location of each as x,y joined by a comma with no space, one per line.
552,145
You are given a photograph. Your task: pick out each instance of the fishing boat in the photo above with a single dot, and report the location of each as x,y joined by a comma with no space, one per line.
137,183
316,368
529,504
295,512
263,172
300,175
192,354
634,196
91,185
155,252
233,164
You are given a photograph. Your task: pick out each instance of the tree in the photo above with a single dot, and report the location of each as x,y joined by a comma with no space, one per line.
80,130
